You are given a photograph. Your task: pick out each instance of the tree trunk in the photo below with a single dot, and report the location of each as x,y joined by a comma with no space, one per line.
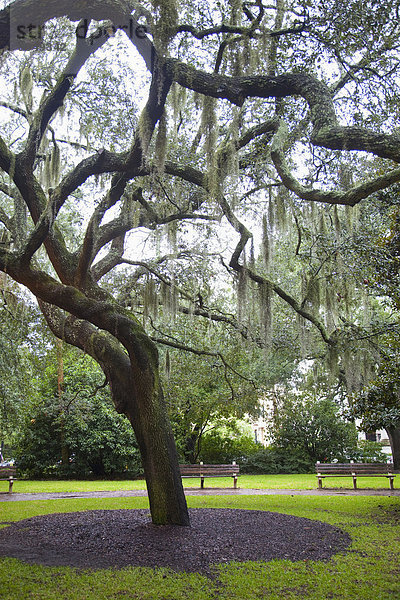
394,438
136,392
147,413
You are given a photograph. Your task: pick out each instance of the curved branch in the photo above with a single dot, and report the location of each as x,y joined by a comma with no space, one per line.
111,260
178,346
245,235
349,197
91,244
14,108
104,313
326,133
101,346
52,102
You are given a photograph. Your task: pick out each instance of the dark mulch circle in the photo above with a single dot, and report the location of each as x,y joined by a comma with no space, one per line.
120,538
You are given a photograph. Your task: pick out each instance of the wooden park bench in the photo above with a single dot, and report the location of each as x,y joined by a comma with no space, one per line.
7,473
202,471
354,470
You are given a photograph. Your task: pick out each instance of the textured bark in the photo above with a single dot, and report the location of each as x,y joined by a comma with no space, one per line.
136,392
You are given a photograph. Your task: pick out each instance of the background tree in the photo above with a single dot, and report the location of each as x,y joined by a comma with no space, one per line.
215,383
253,121
374,400
20,364
378,403
80,422
312,427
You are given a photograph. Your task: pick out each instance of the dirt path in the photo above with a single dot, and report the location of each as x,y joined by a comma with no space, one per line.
15,497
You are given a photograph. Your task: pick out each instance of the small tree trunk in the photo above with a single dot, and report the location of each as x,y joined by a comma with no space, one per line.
191,450
60,391
394,438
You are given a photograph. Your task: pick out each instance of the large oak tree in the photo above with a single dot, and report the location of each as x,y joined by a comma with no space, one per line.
262,83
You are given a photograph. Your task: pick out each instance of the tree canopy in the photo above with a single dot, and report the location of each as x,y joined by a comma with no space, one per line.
155,154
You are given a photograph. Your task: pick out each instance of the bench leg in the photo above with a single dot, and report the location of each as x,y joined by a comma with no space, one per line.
234,483
391,483
319,483
354,482
202,482
10,485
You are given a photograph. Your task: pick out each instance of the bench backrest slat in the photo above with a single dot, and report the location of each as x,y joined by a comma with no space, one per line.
208,469
7,471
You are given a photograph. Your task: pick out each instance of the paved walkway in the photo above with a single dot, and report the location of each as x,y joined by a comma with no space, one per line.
15,497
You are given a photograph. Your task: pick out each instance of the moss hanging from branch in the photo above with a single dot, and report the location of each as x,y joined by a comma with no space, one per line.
242,294
337,223
271,212
235,12
252,258
169,296
280,216
145,130
265,303
332,363
209,126
150,299
160,151
352,371
302,336
266,244
331,313
314,293
47,180
172,234
177,100
26,85
55,165
322,227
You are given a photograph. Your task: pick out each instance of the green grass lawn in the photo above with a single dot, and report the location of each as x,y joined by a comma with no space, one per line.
291,482
368,570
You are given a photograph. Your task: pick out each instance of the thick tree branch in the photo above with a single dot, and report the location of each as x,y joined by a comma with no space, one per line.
51,102
349,197
111,260
102,347
91,246
327,132
103,313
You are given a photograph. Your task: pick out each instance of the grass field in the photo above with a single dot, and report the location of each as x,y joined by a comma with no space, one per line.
369,570
291,482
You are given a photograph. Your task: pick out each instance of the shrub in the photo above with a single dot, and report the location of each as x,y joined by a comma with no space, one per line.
220,448
368,451
98,442
274,460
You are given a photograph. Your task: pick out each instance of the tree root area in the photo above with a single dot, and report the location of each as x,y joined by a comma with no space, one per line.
101,539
